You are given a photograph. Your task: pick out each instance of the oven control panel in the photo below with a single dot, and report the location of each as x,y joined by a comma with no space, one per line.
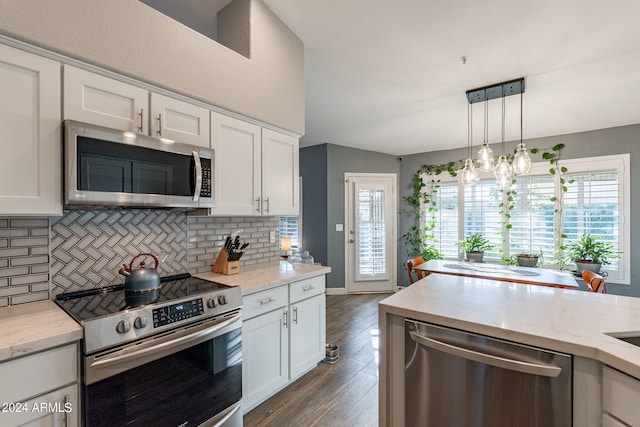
176,312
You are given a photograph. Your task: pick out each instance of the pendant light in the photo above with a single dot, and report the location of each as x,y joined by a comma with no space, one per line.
485,155
522,160
468,174
503,170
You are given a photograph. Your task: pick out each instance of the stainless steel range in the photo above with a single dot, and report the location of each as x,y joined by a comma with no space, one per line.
170,357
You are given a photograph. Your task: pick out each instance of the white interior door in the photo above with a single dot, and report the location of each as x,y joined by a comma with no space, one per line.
370,236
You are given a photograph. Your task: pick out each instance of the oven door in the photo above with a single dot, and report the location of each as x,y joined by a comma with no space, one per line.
190,376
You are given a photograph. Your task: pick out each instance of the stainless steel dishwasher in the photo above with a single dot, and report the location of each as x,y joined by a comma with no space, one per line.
457,378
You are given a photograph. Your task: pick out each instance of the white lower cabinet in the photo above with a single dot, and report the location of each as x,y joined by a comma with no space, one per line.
620,397
50,395
283,337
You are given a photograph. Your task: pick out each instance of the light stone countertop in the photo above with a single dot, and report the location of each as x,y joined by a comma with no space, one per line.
34,327
570,321
259,277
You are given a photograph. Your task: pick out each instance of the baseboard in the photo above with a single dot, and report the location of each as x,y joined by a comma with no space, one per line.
336,291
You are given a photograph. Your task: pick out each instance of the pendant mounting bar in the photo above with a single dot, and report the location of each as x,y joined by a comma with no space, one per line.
499,90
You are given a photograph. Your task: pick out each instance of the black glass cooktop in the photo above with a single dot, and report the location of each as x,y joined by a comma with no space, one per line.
98,302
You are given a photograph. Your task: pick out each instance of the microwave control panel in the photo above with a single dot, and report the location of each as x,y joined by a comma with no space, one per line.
205,191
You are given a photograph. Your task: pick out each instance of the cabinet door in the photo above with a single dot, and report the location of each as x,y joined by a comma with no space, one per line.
30,165
308,334
280,174
264,357
179,121
99,100
54,409
237,166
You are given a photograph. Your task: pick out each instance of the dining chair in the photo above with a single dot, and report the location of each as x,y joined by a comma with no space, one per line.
411,265
594,281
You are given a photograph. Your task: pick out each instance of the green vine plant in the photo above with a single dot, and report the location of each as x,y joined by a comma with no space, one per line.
420,239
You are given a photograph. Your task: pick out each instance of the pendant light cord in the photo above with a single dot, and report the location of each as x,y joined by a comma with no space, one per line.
503,115
521,117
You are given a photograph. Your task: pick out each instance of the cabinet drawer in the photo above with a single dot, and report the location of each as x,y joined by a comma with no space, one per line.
263,302
306,288
620,395
38,373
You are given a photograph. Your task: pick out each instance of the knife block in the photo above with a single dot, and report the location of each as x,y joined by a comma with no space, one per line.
224,266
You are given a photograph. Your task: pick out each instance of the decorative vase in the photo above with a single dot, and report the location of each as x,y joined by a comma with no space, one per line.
587,265
527,260
474,256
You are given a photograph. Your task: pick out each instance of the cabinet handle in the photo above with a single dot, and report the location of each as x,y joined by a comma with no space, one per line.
308,288
65,414
258,204
266,202
295,315
266,300
140,129
284,318
159,131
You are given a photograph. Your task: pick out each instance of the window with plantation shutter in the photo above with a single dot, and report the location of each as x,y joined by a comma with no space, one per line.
533,216
596,201
482,214
289,228
445,231
594,204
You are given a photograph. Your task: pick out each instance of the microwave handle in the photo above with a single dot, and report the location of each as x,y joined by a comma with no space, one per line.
198,173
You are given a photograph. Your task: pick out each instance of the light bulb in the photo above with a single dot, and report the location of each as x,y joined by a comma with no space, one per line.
503,172
485,158
521,161
468,174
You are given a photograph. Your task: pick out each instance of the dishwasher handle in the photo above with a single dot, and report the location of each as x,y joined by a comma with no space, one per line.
550,371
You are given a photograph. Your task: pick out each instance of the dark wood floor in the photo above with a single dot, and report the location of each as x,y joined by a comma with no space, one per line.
341,394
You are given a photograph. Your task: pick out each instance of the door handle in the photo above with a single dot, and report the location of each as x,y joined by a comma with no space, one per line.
351,240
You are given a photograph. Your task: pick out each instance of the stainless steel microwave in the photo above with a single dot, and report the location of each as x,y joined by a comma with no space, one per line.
109,167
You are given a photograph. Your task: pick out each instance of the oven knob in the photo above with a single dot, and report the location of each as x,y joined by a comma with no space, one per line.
222,299
123,327
212,303
140,322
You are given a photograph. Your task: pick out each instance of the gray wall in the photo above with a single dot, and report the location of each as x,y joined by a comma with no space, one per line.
619,140
339,160
313,168
133,39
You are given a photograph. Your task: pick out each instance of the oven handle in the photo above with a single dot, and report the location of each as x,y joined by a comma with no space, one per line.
175,344
231,413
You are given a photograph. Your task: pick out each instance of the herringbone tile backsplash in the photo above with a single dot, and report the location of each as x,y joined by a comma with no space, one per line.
87,248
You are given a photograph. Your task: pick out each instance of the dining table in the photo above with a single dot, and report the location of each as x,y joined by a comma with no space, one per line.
506,273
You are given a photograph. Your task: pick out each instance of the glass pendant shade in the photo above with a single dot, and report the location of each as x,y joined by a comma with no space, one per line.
503,172
468,174
485,158
522,160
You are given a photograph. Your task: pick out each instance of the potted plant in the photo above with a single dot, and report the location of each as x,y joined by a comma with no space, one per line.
474,246
528,259
589,253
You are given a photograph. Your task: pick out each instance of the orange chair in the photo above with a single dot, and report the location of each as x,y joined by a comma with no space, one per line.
594,281
411,264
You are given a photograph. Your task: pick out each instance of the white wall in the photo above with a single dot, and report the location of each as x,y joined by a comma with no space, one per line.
131,38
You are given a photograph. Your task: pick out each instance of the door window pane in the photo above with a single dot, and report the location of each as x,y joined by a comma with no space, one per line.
371,232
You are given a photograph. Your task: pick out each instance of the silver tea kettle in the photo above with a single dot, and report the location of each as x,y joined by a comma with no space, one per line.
142,279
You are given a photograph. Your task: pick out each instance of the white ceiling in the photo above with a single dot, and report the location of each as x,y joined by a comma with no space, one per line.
386,75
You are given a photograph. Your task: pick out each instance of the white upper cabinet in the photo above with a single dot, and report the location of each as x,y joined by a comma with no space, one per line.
179,121
280,174
99,100
30,165
256,169
96,99
238,152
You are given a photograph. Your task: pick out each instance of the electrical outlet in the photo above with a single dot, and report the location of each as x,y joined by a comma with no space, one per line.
272,236
339,227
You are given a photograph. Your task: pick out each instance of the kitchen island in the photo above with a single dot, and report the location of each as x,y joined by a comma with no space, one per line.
569,321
